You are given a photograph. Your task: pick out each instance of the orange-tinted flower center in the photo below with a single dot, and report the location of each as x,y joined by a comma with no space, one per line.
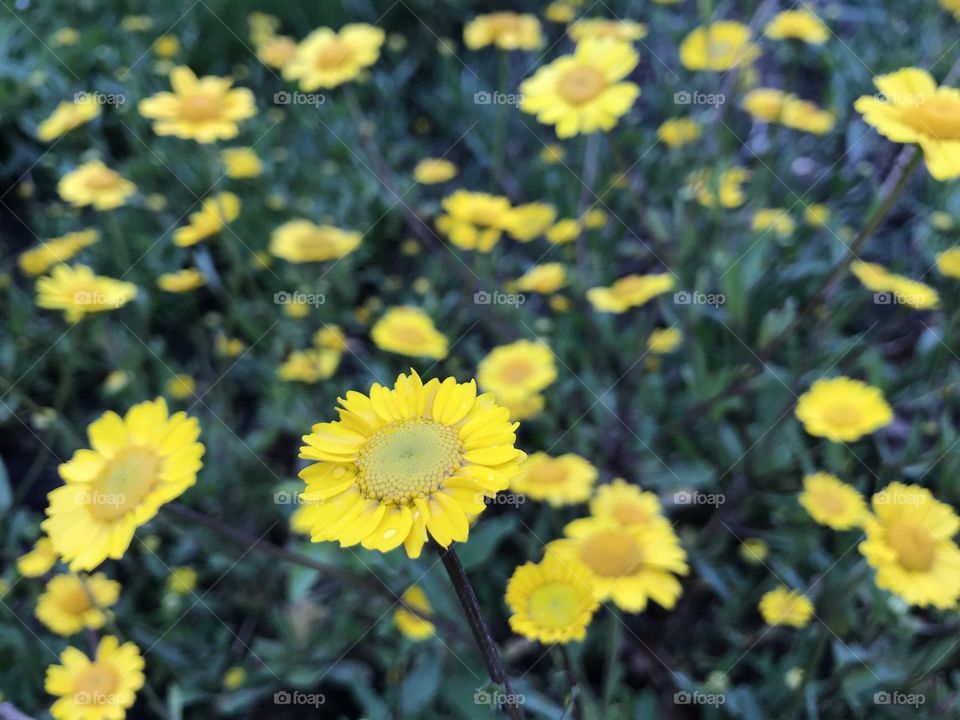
914,545
95,684
101,178
581,84
124,482
200,107
548,471
334,55
611,553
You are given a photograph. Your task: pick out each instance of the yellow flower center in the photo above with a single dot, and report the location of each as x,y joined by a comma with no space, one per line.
516,372
101,178
408,459
629,513
842,415
937,117
830,501
409,335
75,601
124,482
611,553
95,683
200,107
548,472
555,604
333,55
914,545
581,84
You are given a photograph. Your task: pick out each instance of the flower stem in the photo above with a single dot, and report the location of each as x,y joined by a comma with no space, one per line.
481,633
572,681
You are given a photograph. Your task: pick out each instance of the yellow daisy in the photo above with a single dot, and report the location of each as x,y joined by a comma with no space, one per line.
951,6
725,189
523,407
630,291
754,550
765,104
38,260
101,688
409,331
801,25
202,109
873,275
551,601
234,678
545,278
67,116
601,28
663,341
564,231
166,46
724,45
564,480
301,241
776,220
783,606
182,281
93,183
528,221
180,387
241,162
474,220
182,580
914,110
136,464
326,58
677,132
506,30
39,561
332,337
517,370
411,625
842,410
214,214
431,171
583,92
626,504
816,215
909,542
71,603
948,262
78,292
807,116
401,463
832,502
897,288
277,51
310,366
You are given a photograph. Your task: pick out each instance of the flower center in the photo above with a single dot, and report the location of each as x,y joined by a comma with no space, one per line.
914,545
548,472
408,459
842,415
612,553
629,514
102,178
555,604
333,55
937,117
95,684
123,482
516,371
75,601
581,84
200,107
831,502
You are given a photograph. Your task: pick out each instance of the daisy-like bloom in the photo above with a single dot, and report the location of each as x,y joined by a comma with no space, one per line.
526,222
785,607
941,221
776,220
180,387
166,46
277,51
546,278
832,502
410,624
78,292
754,550
182,281
664,341
909,542
564,231
71,603
214,214
765,104
39,560
182,580
228,346
38,260
202,109
241,163
951,6
564,480
523,407
816,215
93,183
263,26
101,688
551,601
506,30
626,504
553,154
629,565
802,25
517,370
899,289
601,28
409,331
630,291
583,92
594,219
431,171
404,462
332,337
136,23
326,59
309,366
67,116
301,241
724,45
559,12
136,464
678,132
474,220
873,275
914,110
725,190
842,409
807,116
948,262
234,678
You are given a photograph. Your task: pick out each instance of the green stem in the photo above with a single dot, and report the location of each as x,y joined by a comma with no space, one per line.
573,681
613,657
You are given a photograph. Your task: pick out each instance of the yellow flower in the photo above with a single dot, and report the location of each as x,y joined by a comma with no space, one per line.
116,381
951,6
180,387
523,407
948,262
893,288
102,688
564,480
677,132
263,26
301,241
564,231
785,607
38,260
775,220
506,30
909,542
401,463
551,601
517,370
583,92
843,410
806,116
202,109
78,292
310,366
546,278
39,560
629,565
431,171
474,220
727,189
765,104
136,23
409,331
797,25
941,221
601,28
754,550
182,580
630,291
234,678
136,464
553,154
71,603
326,59
873,276
241,162
182,281
626,504
663,341
166,46
724,45
832,502
228,346
594,219
816,215
411,625
95,184
67,116
277,51
559,12
525,222
65,36
214,214
914,110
